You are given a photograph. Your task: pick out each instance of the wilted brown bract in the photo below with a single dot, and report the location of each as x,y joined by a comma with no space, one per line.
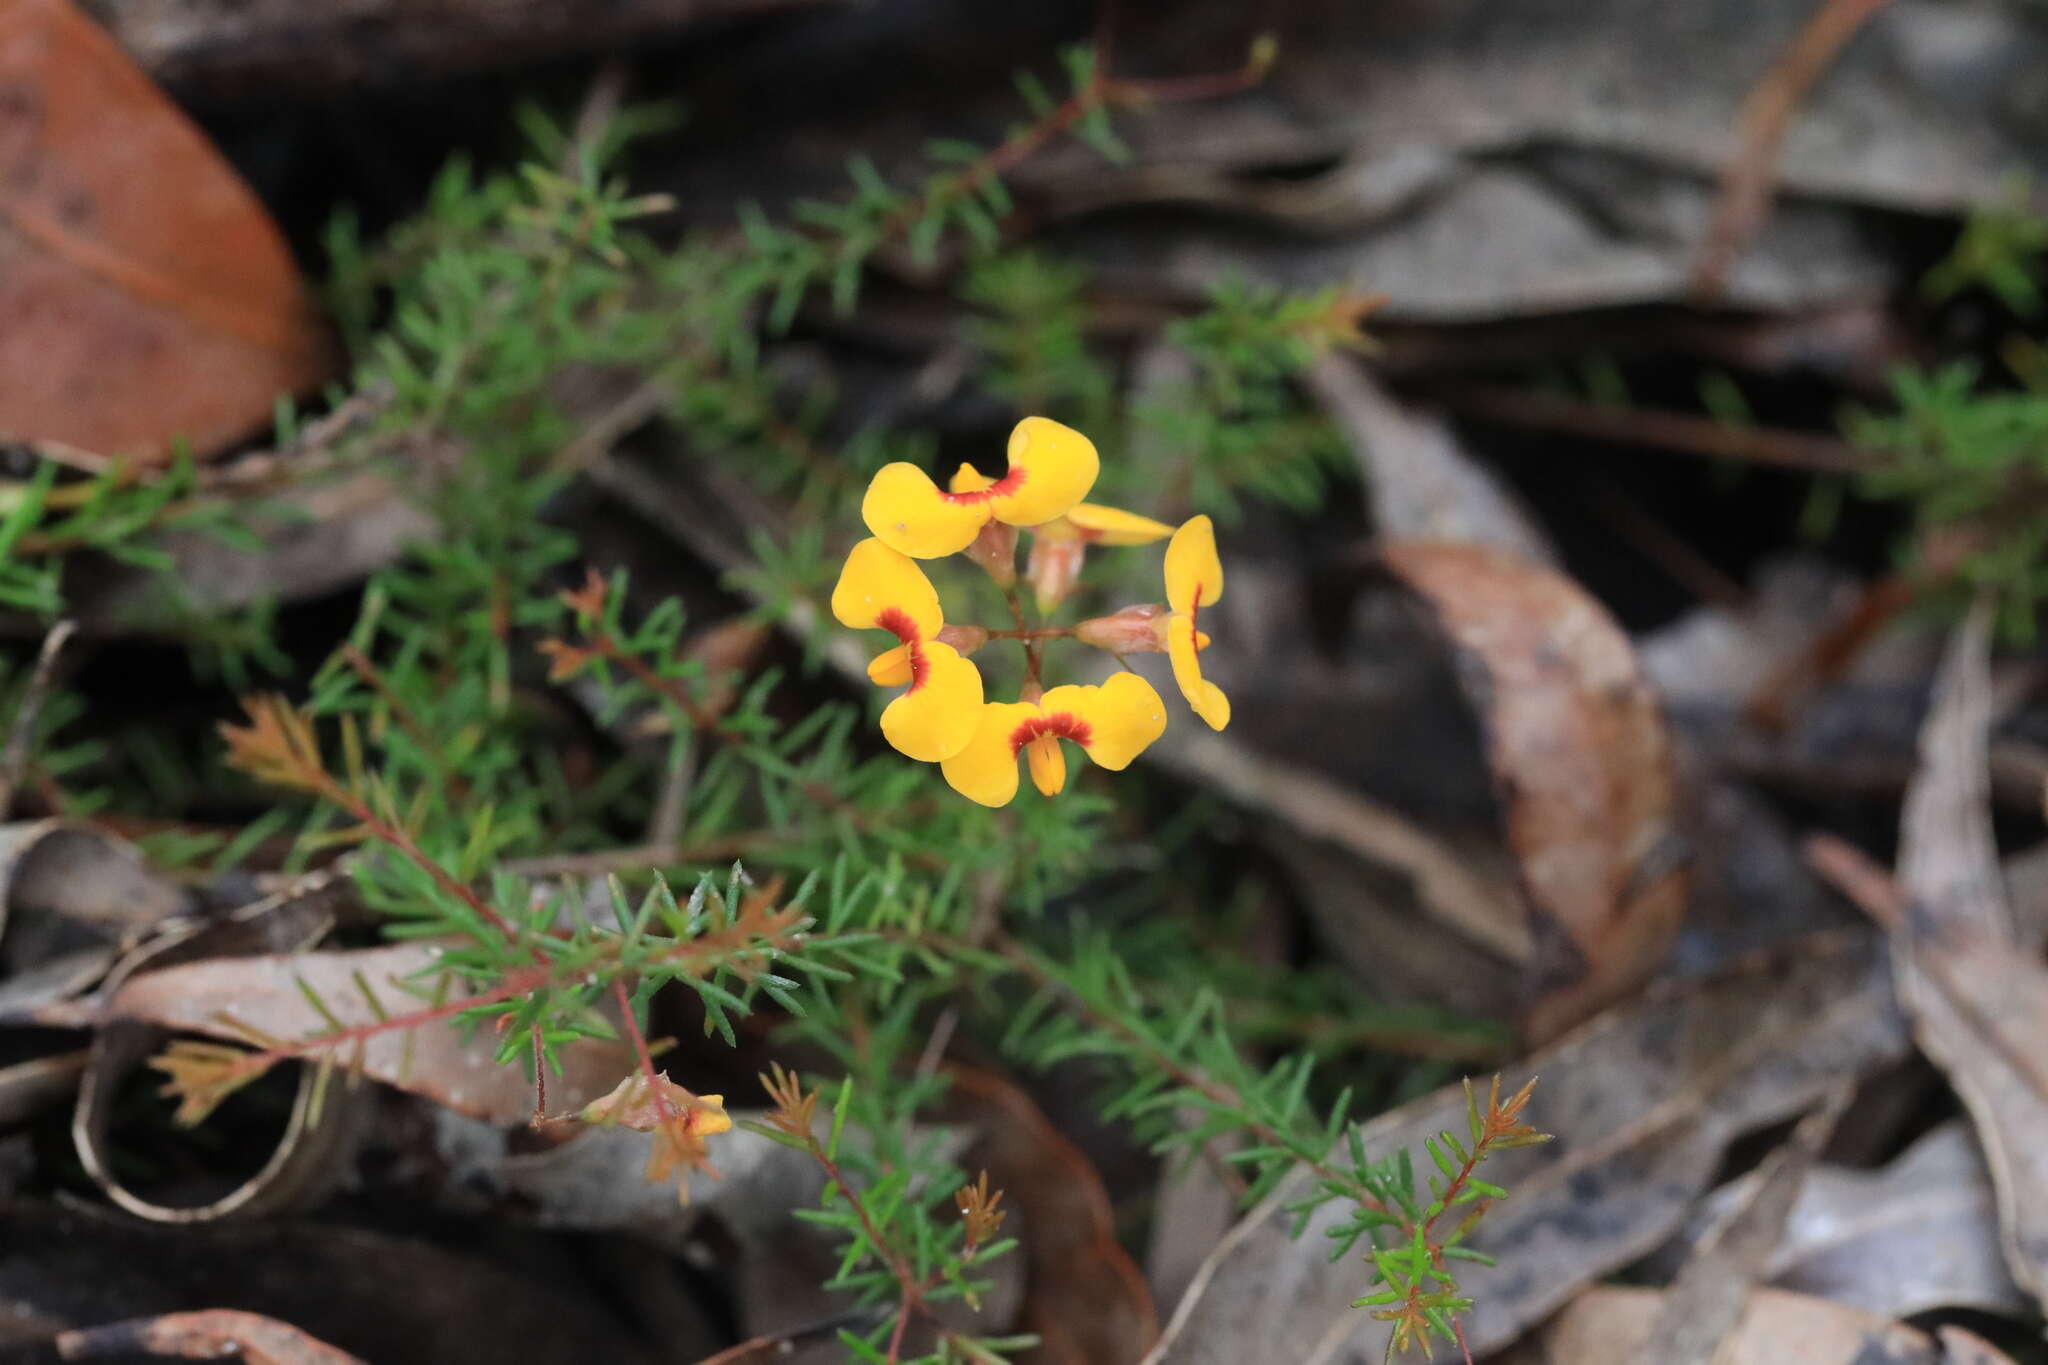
144,293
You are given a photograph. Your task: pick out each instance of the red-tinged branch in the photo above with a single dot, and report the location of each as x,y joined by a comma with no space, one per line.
670,1119
256,1062
397,838
1101,92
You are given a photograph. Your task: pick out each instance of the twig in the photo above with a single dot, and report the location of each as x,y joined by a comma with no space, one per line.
1748,175
1830,653
1681,431
774,1345
14,759
359,662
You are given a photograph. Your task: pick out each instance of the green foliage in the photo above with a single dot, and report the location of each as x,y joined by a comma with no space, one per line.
1999,250
490,741
1973,465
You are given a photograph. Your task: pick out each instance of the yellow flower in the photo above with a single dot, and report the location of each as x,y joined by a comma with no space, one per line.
1112,723
881,589
1058,546
1194,579
1052,467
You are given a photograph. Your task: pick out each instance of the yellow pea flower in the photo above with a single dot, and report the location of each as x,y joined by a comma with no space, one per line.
1052,467
1059,546
1194,579
1112,723
880,588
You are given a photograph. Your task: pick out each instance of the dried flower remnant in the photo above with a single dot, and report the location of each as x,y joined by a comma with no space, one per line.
679,1119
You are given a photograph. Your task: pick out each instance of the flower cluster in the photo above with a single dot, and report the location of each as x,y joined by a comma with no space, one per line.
943,716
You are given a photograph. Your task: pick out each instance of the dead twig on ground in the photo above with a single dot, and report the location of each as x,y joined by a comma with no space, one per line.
1748,175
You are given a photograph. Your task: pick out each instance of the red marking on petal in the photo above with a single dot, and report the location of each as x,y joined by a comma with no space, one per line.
897,622
1001,488
1194,619
1060,725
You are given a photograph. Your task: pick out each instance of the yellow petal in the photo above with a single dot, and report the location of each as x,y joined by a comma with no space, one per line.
986,770
968,479
708,1116
890,668
1192,567
1124,716
936,718
1204,697
1052,467
1047,763
905,510
1114,526
878,580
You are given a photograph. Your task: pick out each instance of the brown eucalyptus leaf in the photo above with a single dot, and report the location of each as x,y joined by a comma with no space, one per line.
434,1059
1612,1325
208,1334
144,293
1581,762
1979,1003
1644,1099
1085,1299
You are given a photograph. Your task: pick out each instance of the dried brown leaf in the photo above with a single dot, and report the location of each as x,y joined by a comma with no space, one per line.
209,1334
1980,1004
144,292
1085,1298
1581,762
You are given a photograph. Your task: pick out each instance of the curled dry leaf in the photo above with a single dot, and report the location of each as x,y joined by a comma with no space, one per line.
269,994
144,293
1644,1099
1617,1326
1581,763
1084,1298
314,1153
1980,1003
70,897
209,1334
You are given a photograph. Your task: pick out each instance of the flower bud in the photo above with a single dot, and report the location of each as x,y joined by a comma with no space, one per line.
965,639
995,549
1133,630
1055,564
